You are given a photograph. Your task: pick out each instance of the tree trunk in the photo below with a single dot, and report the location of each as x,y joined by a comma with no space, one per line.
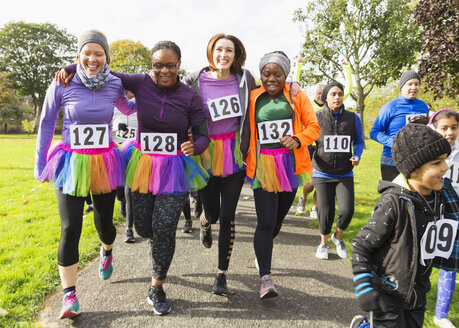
36,113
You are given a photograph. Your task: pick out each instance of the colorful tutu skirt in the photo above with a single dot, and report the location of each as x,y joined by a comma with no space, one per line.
275,171
162,174
81,171
222,157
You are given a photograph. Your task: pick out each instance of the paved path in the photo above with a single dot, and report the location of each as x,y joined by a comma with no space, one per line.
312,292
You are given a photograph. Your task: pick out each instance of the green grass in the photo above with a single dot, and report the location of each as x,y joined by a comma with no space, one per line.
366,177
30,229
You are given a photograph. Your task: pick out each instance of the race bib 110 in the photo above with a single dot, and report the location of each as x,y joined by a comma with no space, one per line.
159,143
438,239
271,131
224,107
337,144
89,136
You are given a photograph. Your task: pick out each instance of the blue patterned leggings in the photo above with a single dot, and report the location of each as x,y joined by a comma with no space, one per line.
446,284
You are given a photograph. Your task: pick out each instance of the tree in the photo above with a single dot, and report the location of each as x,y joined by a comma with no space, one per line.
376,37
439,64
31,54
129,57
12,110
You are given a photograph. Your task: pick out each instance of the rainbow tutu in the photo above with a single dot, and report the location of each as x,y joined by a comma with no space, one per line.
80,171
162,174
275,171
222,157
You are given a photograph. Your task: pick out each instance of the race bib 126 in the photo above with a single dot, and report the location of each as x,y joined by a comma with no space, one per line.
337,144
271,131
159,143
89,136
224,107
438,239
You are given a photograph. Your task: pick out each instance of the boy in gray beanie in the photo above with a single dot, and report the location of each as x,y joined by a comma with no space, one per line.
392,254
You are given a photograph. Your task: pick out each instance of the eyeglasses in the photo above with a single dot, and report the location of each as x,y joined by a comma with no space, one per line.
169,66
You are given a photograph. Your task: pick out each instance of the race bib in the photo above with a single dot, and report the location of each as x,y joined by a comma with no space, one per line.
271,131
89,136
159,143
337,144
412,117
128,134
224,107
438,239
453,174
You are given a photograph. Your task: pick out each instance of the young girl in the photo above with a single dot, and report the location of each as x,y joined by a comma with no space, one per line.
445,122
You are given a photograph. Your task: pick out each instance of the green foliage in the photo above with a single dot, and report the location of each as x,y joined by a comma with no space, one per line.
31,54
11,108
129,57
439,65
27,126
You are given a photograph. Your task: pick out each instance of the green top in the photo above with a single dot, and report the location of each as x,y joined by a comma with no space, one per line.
267,109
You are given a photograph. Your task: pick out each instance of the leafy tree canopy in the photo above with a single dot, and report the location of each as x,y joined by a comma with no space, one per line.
129,57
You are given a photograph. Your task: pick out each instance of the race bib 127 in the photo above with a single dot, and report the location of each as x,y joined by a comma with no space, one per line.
89,136
159,143
271,131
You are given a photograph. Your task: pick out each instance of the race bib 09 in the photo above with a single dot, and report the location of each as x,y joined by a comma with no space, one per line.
271,131
159,143
337,144
89,136
438,239
224,107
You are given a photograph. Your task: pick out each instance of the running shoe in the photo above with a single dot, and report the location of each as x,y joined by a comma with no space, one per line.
443,323
340,246
205,236
359,321
105,266
322,252
220,285
300,206
157,298
187,227
129,236
267,289
70,306
88,210
313,213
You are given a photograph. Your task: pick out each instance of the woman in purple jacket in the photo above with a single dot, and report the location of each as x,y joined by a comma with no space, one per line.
86,160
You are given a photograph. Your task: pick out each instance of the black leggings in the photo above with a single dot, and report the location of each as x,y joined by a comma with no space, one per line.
123,194
271,210
71,215
219,199
389,173
327,190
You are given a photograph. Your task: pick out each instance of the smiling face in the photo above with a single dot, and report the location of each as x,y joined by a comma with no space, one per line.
92,57
429,176
335,98
411,88
447,127
273,80
166,77
223,55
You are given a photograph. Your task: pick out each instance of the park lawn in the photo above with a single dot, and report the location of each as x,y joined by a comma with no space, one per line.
30,229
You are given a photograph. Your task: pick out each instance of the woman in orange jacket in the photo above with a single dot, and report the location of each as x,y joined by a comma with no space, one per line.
281,128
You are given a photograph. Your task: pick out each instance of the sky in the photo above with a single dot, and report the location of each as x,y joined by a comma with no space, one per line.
262,25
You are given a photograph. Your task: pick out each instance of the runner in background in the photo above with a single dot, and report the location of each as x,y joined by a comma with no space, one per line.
339,149
318,104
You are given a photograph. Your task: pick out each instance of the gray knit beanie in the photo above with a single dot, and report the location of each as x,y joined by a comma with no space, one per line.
416,144
277,57
94,36
408,75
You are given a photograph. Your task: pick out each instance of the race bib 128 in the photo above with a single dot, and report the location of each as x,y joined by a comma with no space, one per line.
89,136
224,107
438,239
159,143
337,144
271,131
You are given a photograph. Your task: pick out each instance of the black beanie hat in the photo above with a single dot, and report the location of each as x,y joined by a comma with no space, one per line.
408,75
416,144
327,89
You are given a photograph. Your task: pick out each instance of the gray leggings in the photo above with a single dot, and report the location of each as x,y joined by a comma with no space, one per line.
156,218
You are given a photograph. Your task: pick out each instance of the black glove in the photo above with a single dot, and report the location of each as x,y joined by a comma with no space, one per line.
122,127
368,297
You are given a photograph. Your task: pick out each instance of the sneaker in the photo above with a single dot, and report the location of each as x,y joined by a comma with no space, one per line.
187,227
340,247
267,289
88,210
322,252
70,306
300,206
157,298
105,266
129,236
220,285
123,209
206,236
359,321
443,323
313,213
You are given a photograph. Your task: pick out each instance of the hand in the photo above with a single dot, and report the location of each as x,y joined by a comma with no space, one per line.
355,161
187,148
63,77
289,143
296,87
122,127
